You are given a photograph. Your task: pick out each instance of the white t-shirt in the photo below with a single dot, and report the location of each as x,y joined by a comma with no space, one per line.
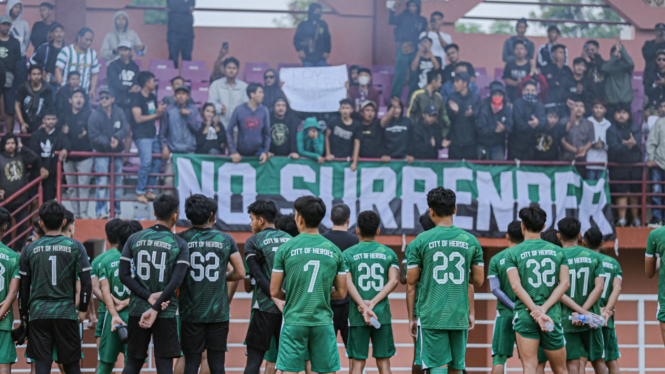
437,48
600,132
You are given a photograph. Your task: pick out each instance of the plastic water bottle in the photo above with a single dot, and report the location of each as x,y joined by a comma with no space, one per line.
376,324
549,326
579,318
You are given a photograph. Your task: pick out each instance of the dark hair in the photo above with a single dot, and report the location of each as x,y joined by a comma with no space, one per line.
56,25
354,67
252,88
112,228
7,137
451,45
70,218
569,228
52,213
519,42
598,102
577,99
533,218
432,74
207,105
33,67
552,111
265,209
579,60
165,206
339,214
442,201
144,77
365,70
557,47
50,111
530,82
368,223
553,27
437,13
38,229
231,60
75,73
426,221
592,42
178,77
213,206
82,33
127,230
312,209
346,102
287,223
550,235
135,224
5,218
515,232
593,238
197,209
400,105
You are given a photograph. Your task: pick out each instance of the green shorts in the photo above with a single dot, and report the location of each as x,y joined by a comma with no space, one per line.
100,324
660,314
417,360
109,346
296,342
590,341
611,344
542,357
441,347
503,338
383,345
7,348
530,329
271,353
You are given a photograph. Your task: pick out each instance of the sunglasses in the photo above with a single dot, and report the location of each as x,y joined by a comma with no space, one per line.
104,98
660,59
269,77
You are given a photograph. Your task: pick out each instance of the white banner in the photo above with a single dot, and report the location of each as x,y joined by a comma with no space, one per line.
317,89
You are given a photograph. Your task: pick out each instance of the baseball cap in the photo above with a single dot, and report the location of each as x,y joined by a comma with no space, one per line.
430,110
78,89
125,44
464,76
5,18
47,4
182,88
366,103
104,89
496,86
660,26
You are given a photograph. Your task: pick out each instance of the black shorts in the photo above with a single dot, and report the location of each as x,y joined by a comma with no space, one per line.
197,337
64,334
263,326
623,173
341,320
165,338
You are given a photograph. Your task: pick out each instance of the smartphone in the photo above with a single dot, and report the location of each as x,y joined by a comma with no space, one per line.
225,45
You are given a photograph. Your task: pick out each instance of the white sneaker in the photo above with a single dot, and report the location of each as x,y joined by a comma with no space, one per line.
622,222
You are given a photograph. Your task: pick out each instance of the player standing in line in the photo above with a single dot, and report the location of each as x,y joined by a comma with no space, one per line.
538,275
260,250
49,267
305,270
160,259
115,296
444,261
204,303
593,239
9,285
587,280
372,274
412,298
652,263
503,337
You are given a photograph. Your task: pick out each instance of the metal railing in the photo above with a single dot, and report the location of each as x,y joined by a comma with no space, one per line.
25,206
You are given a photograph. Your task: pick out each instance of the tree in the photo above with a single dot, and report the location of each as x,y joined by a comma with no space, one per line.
293,19
580,30
469,28
502,28
152,17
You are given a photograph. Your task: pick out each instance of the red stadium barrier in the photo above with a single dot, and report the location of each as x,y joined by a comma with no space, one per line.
27,189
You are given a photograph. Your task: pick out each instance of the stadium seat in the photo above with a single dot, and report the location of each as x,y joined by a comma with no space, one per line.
163,92
202,75
101,77
200,93
383,110
193,65
161,65
254,71
164,75
483,83
498,73
383,69
480,71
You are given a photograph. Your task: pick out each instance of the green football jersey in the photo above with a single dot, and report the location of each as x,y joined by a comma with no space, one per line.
155,252
612,270
53,263
656,247
407,251
497,269
263,246
310,264
584,266
369,264
9,269
204,297
445,256
538,263
109,269
94,273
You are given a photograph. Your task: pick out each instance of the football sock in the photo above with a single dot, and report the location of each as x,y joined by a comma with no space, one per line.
254,361
192,363
216,361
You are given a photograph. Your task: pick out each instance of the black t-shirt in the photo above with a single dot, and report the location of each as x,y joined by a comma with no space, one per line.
10,53
342,137
33,112
148,106
425,65
343,240
77,123
516,72
283,134
396,137
548,142
448,73
213,142
39,33
371,140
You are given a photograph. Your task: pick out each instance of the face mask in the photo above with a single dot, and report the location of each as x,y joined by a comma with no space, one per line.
497,104
530,97
363,81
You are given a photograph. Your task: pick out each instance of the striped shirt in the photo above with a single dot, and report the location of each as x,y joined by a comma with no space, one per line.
85,63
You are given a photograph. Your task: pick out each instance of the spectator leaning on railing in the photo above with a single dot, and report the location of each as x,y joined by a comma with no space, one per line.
107,129
343,135
396,128
495,122
655,148
283,130
311,141
548,138
45,142
253,122
211,138
463,108
372,144
424,136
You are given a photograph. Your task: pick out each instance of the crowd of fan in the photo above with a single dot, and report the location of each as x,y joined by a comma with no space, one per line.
543,110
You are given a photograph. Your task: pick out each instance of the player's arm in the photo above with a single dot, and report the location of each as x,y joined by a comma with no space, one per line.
402,272
614,296
179,272
14,284
393,275
495,287
599,284
231,286
471,294
110,304
255,269
353,291
340,287
85,294
650,266
520,292
26,279
560,290
570,303
249,287
413,274
96,289
276,280
477,275
238,271
410,307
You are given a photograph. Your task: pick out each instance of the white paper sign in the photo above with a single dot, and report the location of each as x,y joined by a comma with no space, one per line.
317,89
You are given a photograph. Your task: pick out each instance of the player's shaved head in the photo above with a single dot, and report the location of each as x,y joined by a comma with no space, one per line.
339,214
368,224
442,201
165,206
311,209
112,227
265,209
550,235
198,209
287,223
569,229
533,218
593,238
426,221
515,232
52,213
